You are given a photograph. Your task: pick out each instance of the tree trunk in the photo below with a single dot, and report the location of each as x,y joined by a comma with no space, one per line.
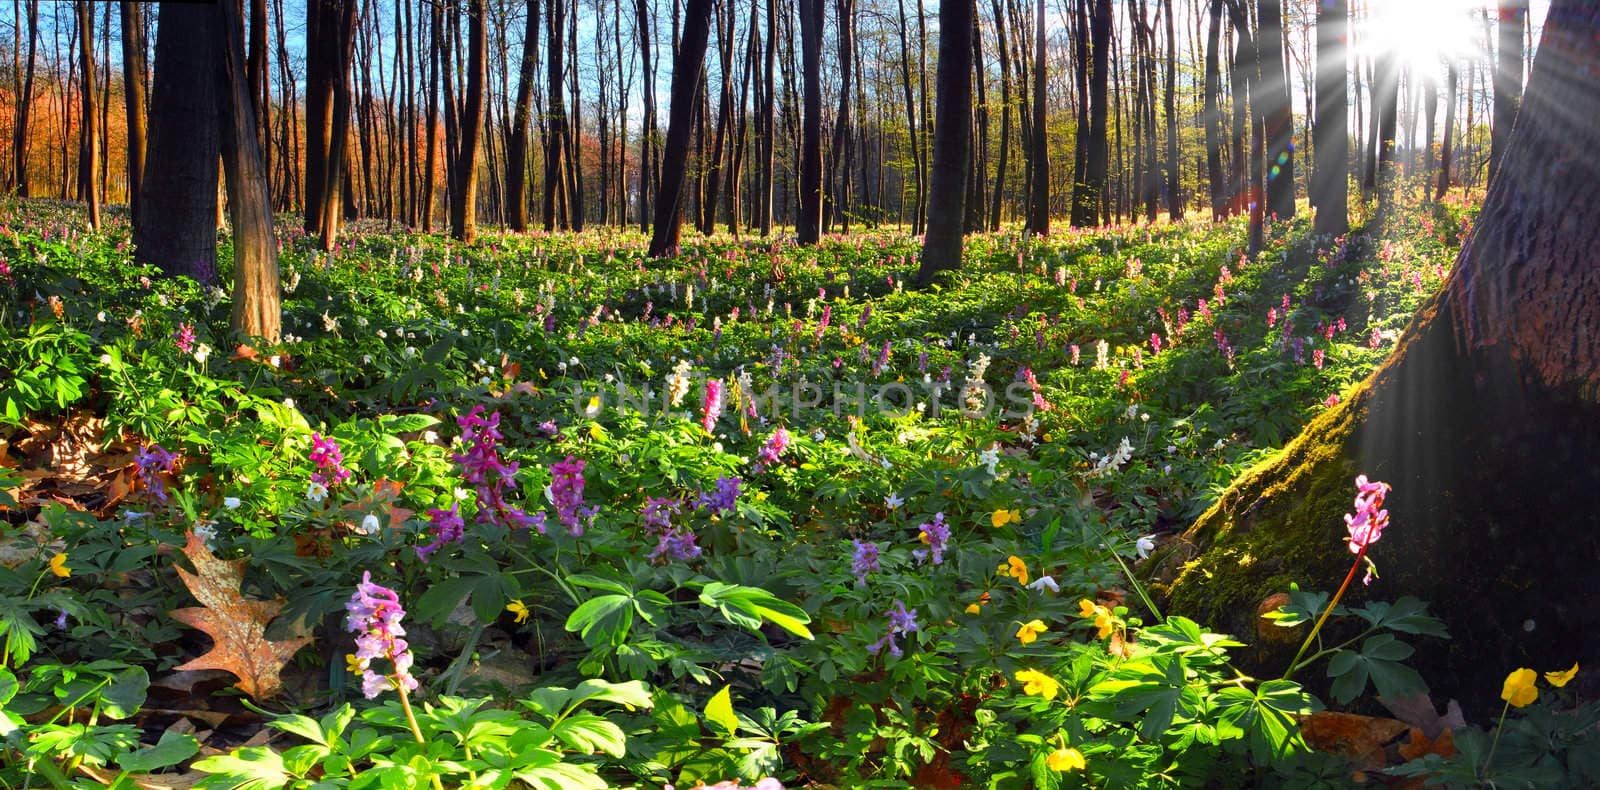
517,153
1480,420
133,98
1386,99
556,136
464,203
1279,129
768,121
256,312
687,71
1213,115
1513,16
1090,191
176,228
1001,162
1330,184
24,99
89,150
1039,160
808,225
1174,187
1449,133
256,67
947,188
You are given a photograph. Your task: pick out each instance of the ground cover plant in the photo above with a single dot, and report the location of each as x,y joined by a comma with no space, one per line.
542,512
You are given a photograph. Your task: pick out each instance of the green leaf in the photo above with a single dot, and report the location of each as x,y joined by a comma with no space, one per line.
125,694
173,748
589,733
1267,716
250,768
406,423
1154,689
719,711
1409,615
748,606
1380,660
608,618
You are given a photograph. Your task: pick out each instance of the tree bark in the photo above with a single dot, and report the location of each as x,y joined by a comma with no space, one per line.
133,98
1174,160
1330,184
1217,182
947,188
256,312
1276,115
89,150
1449,135
556,115
1513,15
517,145
19,129
176,228
687,70
808,225
464,203
1039,161
1480,420
1090,191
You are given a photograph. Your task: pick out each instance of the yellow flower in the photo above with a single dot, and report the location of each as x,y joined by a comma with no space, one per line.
1015,568
1031,631
1559,679
519,609
973,608
58,565
1064,759
1037,684
1519,689
1003,517
1104,623
351,663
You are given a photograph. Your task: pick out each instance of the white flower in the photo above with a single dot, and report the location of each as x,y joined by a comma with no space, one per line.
1045,583
288,403
275,361
206,531
316,492
329,323
893,501
202,353
430,437
231,503
990,458
105,359
462,493
369,525
1144,546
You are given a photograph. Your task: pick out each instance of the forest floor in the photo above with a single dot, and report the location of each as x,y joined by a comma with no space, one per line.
753,511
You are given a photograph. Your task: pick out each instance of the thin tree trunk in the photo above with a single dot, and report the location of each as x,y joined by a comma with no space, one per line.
1449,131
464,204
1039,164
1213,114
687,71
1513,15
1276,114
133,98
809,222
1174,187
1330,182
256,312
941,249
517,153
89,150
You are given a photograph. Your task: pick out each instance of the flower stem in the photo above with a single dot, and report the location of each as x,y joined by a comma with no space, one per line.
1348,577
1499,728
416,731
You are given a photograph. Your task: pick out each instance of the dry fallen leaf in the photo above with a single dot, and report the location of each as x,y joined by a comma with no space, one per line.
237,626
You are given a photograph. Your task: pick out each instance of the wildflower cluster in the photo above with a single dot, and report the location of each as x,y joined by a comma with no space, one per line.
374,615
447,527
901,622
864,561
724,499
773,449
566,493
153,461
482,467
935,535
673,542
329,460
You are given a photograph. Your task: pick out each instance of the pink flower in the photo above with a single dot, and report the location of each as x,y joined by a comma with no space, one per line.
1370,519
711,407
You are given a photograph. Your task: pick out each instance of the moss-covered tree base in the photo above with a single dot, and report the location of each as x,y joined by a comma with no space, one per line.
1495,517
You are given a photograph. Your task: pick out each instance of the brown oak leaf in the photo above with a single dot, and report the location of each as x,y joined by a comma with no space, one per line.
237,626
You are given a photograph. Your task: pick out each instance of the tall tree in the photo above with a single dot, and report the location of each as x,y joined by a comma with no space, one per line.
89,137
176,228
1331,134
687,71
24,100
555,193
808,224
1005,118
464,200
1039,159
330,48
1217,182
517,143
1445,152
1089,192
256,311
133,98
947,188
769,130
839,173
1513,16
1276,116
1491,389
1174,161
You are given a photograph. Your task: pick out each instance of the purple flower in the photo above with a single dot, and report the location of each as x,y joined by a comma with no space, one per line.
658,513
329,458
184,337
901,622
883,359
724,500
566,493
864,561
447,528
936,534
1370,519
773,449
675,544
373,615
153,461
489,475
